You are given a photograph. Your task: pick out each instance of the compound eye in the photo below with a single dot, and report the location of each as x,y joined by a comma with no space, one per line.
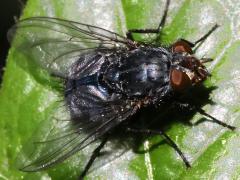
182,46
179,80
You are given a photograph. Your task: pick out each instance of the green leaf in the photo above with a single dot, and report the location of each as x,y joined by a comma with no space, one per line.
27,99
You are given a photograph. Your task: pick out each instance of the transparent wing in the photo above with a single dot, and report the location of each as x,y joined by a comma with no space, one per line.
56,43
70,136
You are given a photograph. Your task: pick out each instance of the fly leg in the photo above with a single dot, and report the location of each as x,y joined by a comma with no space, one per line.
213,119
183,45
189,107
148,31
198,43
166,137
94,155
205,36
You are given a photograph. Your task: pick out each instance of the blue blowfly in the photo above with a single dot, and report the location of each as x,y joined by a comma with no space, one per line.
107,79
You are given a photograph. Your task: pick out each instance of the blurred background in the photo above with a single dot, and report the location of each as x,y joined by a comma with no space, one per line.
9,9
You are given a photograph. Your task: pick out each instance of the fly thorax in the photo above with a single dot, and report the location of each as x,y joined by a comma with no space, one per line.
139,74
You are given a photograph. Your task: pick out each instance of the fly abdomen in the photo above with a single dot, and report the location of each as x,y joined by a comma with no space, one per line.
87,80
73,84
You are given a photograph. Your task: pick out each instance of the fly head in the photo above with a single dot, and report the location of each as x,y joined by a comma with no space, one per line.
186,70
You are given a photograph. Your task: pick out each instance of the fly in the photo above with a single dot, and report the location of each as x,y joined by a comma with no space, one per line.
108,77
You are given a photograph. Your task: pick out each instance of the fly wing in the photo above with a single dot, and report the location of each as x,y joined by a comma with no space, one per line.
56,43
70,136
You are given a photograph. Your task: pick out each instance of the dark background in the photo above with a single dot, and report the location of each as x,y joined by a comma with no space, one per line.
8,9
